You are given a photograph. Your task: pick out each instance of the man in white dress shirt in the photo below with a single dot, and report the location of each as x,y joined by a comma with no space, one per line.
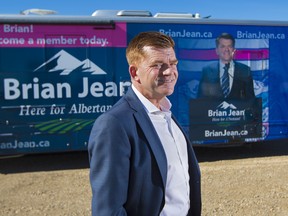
141,162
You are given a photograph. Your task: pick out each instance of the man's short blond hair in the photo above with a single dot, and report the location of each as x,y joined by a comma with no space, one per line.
135,51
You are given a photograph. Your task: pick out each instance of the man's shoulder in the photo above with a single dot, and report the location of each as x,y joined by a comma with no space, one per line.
242,69
241,65
213,65
211,69
127,104
119,114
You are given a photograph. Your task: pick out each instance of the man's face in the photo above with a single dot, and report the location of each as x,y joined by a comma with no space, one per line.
225,50
156,74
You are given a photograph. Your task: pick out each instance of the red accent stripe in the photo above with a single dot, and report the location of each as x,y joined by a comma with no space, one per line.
246,54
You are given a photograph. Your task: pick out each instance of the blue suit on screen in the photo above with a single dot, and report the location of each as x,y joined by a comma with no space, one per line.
242,87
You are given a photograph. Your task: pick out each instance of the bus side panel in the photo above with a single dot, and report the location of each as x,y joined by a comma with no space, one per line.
55,82
57,79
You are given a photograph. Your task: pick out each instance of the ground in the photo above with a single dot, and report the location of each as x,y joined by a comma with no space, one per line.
235,181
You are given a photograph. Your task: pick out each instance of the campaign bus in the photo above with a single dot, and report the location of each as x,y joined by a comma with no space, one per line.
59,73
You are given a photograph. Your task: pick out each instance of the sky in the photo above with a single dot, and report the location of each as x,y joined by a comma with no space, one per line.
217,9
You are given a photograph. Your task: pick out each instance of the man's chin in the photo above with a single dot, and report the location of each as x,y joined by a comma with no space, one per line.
168,91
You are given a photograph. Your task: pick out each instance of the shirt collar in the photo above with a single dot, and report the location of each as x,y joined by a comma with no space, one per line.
222,65
150,107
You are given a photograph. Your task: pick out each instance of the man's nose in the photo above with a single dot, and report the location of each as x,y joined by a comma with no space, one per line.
168,70
226,49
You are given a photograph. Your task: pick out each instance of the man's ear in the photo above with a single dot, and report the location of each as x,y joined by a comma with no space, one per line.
234,52
216,51
133,72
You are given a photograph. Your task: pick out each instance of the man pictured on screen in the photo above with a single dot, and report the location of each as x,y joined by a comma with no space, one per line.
226,78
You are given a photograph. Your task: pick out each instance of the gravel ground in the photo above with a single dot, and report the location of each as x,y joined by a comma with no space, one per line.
235,181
